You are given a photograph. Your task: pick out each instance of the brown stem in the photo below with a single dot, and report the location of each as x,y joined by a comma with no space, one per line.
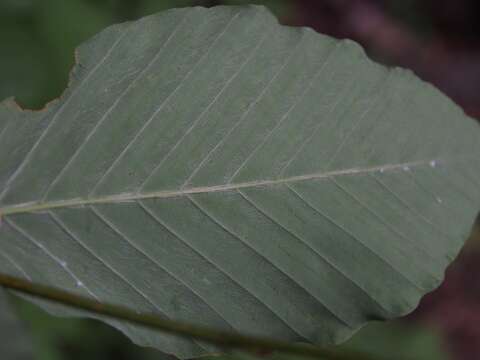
220,338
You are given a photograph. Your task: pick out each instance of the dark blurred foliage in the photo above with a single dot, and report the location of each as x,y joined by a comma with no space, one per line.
438,39
38,38
75,339
454,308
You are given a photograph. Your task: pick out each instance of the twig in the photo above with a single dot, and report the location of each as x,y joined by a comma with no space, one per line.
220,338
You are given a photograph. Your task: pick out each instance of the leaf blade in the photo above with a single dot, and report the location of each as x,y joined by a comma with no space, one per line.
209,164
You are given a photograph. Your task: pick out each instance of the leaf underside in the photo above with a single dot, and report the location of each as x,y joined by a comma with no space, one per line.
210,165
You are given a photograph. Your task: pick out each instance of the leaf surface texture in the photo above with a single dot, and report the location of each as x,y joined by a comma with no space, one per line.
213,166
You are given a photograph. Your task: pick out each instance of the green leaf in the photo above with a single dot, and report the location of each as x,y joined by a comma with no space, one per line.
15,344
399,340
392,340
58,338
213,166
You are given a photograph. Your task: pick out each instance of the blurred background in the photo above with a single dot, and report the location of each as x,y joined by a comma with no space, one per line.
438,39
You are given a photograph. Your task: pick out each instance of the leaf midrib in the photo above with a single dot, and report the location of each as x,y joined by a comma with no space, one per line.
125,197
